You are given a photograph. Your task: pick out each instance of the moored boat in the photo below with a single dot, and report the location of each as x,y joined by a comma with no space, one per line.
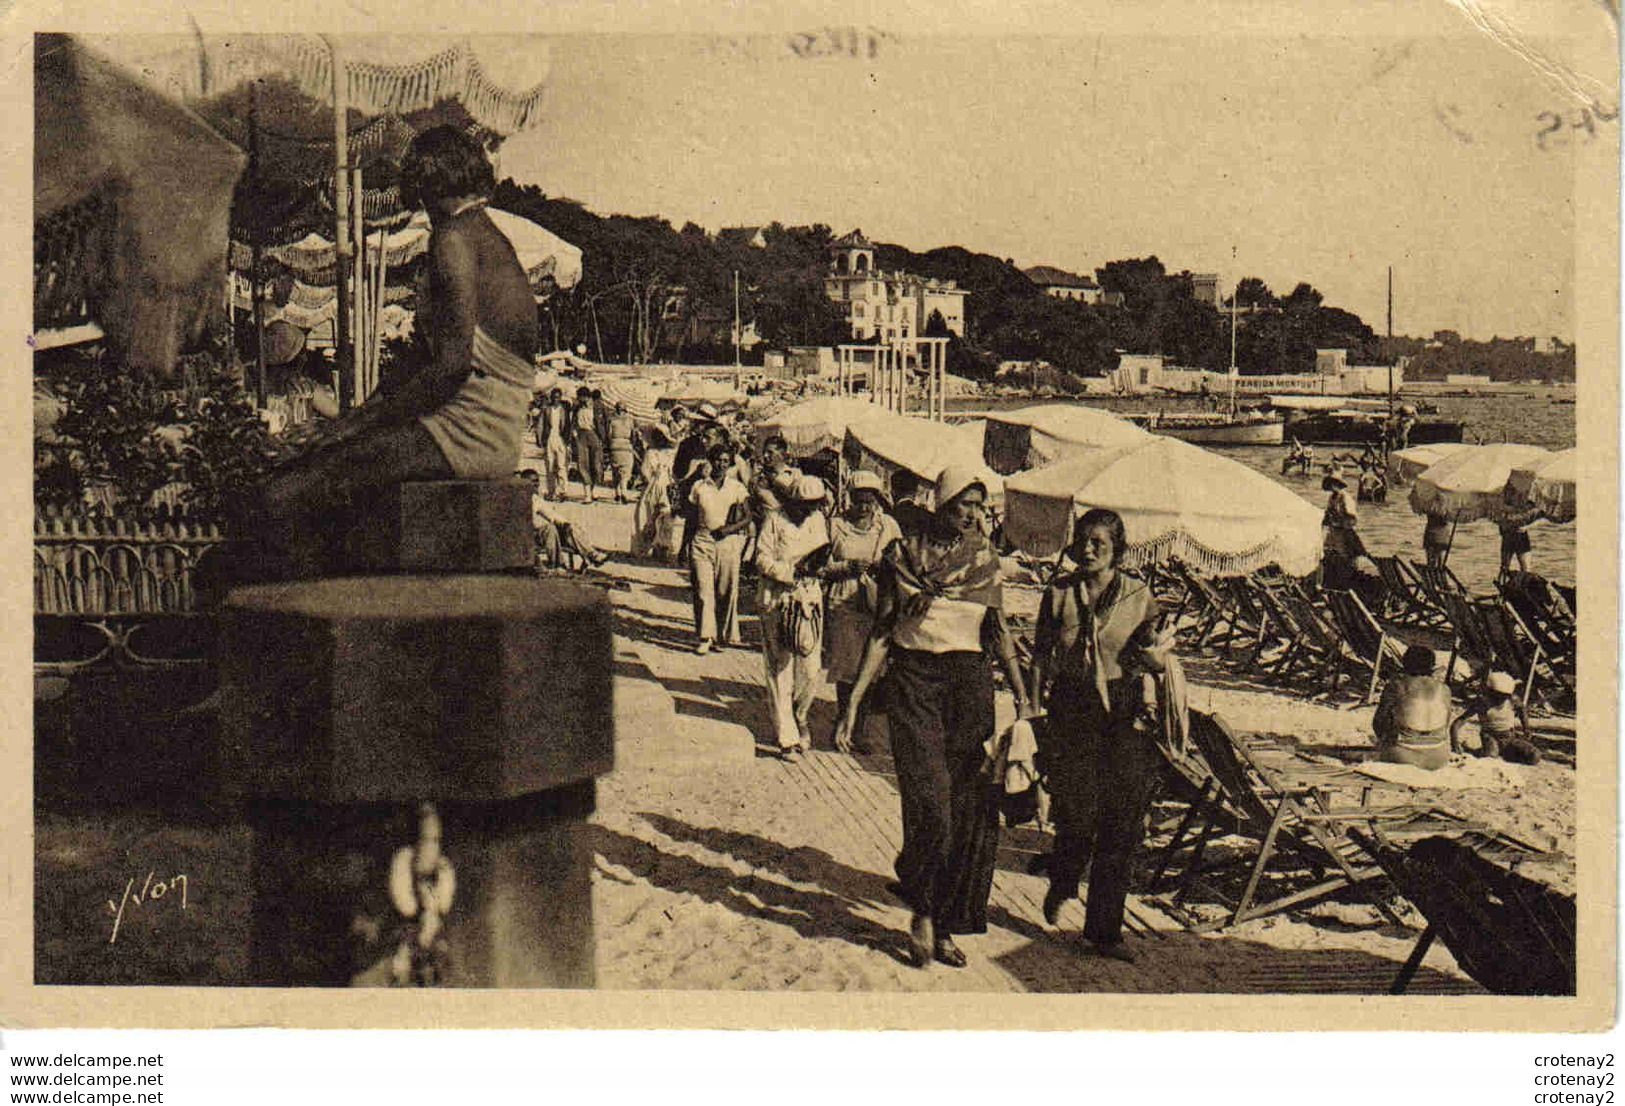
1214,429
1349,427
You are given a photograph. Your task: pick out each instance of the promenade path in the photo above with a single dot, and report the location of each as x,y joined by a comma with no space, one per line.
718,865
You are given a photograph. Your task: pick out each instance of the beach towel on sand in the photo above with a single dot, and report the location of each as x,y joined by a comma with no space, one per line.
1461,774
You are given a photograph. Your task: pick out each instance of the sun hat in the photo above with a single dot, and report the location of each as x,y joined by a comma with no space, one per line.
809,489
955,480
1501,683
706,411
865,481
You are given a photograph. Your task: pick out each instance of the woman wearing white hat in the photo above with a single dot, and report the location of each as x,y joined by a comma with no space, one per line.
857,541
791,606
940,622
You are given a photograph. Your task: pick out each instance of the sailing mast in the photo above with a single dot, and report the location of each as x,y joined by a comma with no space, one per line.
1387,437
1234,296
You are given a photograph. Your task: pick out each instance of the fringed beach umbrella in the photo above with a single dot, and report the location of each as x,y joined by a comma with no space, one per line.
1035,436
1470,484
1405,465
1548,484
1176,500
891,443
817,424
132,196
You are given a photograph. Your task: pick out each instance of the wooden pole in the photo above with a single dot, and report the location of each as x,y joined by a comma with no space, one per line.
343,339
358,315
255,243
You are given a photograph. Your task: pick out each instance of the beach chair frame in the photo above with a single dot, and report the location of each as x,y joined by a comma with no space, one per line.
1409,603
1363,635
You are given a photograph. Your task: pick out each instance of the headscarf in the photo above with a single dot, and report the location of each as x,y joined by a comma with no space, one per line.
966,570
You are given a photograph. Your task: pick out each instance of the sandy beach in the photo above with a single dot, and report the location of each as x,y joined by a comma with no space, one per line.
718,866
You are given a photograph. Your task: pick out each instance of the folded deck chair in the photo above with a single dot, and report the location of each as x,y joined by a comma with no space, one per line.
1512,933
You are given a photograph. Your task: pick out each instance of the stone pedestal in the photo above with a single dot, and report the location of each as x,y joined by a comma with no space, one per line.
444,526
350,703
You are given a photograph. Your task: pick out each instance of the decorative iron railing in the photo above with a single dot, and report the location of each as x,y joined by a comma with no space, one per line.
117,590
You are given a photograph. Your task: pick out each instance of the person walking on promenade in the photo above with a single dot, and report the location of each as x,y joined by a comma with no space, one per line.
554,430
789,604
940,616
692,449
1099,644
654,502
589,446
858,539
721,517
622,430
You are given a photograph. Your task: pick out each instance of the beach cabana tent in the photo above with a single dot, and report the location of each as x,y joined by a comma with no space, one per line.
1036,436
814,425
1177,500
895,442
1470,484
132,199
1548,483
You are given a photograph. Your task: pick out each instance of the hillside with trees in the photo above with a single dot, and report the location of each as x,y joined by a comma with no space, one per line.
650,291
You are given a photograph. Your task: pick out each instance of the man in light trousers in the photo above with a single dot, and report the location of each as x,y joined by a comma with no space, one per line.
720,520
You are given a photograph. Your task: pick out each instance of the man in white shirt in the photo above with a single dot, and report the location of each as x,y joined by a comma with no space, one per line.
720,520
790,531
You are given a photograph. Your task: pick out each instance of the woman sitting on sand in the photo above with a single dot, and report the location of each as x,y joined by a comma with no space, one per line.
940,622
1099,641
1412,721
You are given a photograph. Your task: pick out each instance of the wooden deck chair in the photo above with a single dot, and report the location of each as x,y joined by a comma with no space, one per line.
1323,637
1285,819
1408,602
1363,636
1514,644
1301,652
1254,618
1216,611
1542,613
1436,583
1513,934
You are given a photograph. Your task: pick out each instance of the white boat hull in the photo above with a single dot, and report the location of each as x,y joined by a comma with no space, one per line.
1269,432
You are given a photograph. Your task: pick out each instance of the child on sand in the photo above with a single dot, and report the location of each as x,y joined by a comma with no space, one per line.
1503,729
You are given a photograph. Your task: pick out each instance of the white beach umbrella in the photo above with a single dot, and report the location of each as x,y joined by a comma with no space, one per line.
1405,465
1470,484
1035,436
1175,499
817,424
1549,483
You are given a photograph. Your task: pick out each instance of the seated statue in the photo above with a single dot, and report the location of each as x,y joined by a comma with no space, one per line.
1412,721
459,415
